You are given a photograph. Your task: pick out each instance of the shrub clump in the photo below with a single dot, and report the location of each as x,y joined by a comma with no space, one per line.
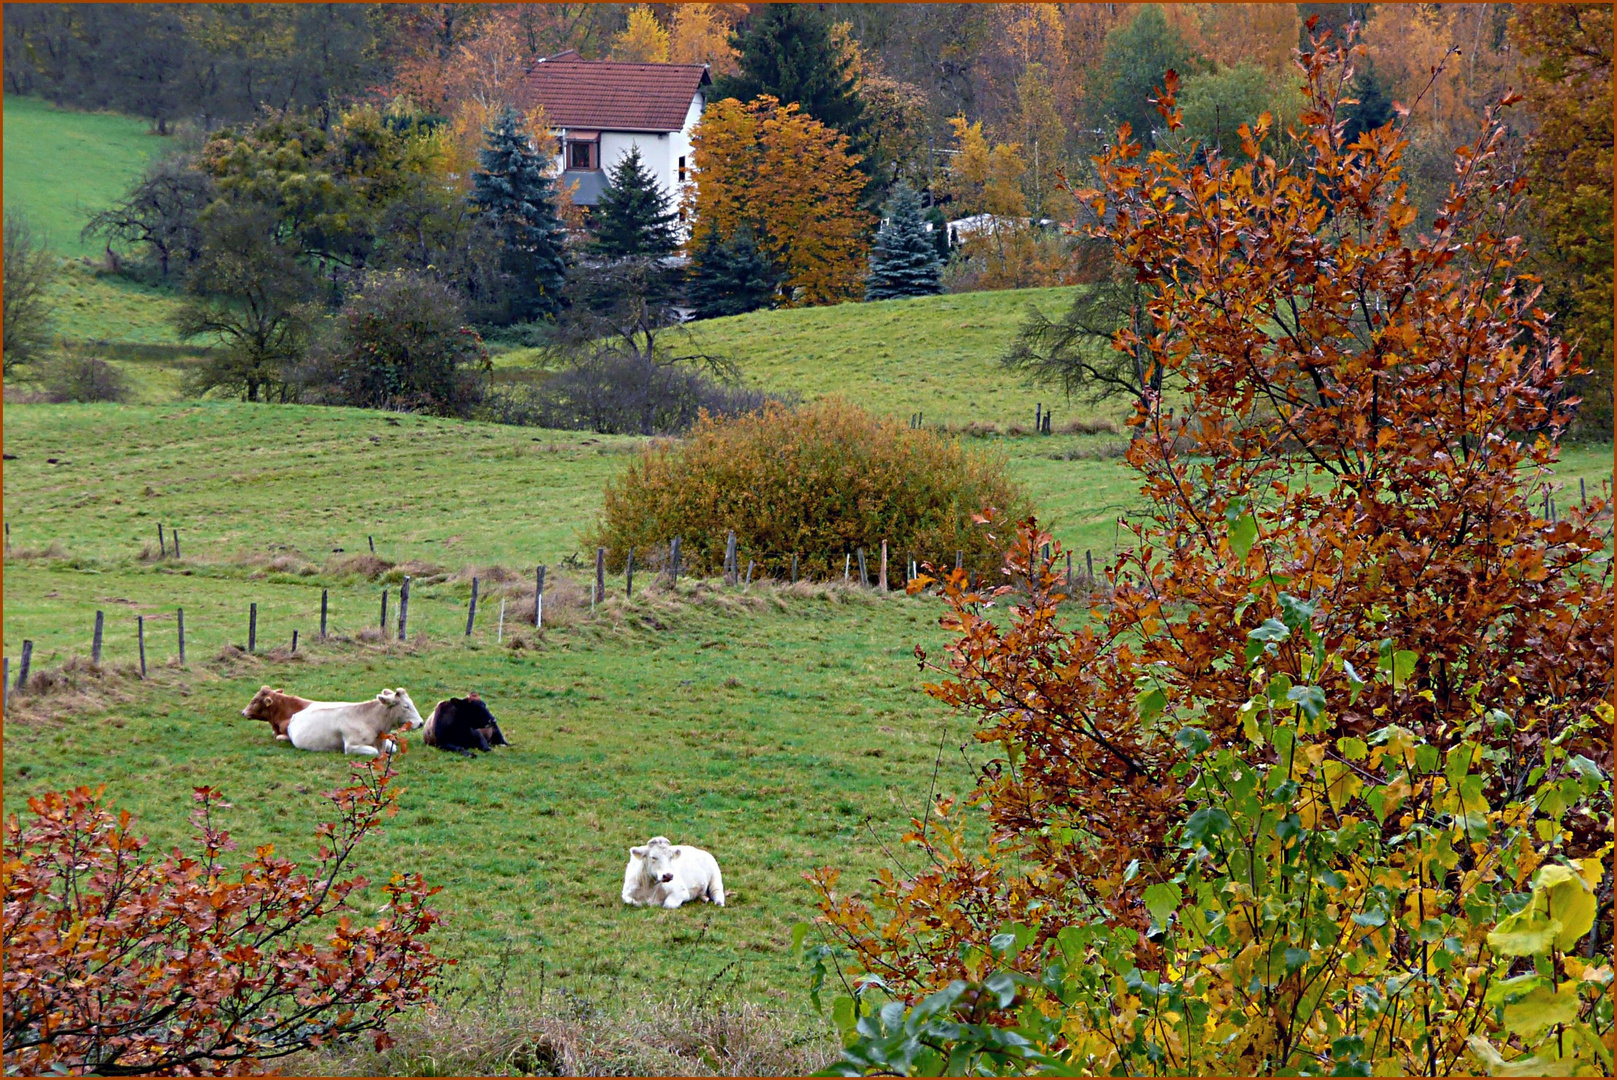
84,379
817,481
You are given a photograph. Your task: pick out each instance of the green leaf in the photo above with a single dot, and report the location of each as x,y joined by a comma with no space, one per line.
1151,703
1541,1009
1310,699
1206,823
1352,749
1243,534
1296,613
1193,741
1162,900
1519,936
1270,630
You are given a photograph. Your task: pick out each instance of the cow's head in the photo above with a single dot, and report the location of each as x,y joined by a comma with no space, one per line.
657,859
399,703
476,714
263,701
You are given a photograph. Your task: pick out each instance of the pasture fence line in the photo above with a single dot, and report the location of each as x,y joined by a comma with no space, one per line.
756,571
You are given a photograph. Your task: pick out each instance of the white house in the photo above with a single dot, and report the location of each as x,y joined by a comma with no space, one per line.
599,109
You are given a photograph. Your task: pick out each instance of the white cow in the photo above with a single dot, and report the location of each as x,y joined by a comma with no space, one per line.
670,874
354,727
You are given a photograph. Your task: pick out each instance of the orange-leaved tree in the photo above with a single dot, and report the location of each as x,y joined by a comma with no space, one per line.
794,182
1345,503
118,964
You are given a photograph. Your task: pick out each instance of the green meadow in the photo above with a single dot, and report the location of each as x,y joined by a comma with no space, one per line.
783,727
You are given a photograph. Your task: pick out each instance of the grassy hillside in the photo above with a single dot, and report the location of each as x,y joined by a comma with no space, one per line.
935,355
62,166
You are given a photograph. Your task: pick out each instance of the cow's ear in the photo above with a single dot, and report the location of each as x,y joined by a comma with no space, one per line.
675,855
638,852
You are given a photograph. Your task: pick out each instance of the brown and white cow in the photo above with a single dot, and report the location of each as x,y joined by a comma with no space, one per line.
276,707
354,727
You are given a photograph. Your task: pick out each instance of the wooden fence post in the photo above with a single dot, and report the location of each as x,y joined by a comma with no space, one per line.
1089,561
1069,571
174,535
471,612
864,572
882,583
1038,418
5,682
959,559
794,568
1583,495
730,559
322,614
673,559
538,597
8,552
600,577
162,545
846,558
750,565
294,641
179,617
95,643
499,632
22,668
628,576
383,623
140,638
371,540
404,608
252,627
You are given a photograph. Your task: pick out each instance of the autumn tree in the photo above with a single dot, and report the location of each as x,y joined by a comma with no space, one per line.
698,34
1006,249
786,52
643,40
1342,547
1261,34
1569,90
120,964
792,180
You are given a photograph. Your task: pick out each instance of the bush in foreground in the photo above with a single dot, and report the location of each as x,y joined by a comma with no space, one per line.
818,481
119,965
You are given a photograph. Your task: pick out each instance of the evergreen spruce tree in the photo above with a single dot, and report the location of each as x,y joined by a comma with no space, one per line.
634,216
512,189
903,260
786,51
731,277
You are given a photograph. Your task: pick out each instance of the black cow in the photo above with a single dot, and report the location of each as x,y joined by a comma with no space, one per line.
462,725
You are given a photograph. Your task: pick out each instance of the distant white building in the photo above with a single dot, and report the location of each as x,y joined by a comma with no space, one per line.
600,109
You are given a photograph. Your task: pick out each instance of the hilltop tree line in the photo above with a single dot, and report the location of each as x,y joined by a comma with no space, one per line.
989,113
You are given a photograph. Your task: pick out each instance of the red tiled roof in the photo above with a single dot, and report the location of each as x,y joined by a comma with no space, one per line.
611,95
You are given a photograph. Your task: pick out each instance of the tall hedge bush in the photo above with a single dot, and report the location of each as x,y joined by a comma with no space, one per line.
818,481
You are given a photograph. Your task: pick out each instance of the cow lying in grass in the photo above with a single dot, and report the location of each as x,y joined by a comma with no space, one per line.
670,874
462,724
354,727
277,708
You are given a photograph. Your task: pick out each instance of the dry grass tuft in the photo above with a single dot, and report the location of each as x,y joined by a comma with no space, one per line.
1092,425
568,1036
364,566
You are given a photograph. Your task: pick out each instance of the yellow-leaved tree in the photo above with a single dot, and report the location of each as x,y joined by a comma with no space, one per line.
697,34
1008,250
794,182
643,40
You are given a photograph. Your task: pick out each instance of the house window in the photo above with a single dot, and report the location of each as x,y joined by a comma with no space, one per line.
682,168
582,155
